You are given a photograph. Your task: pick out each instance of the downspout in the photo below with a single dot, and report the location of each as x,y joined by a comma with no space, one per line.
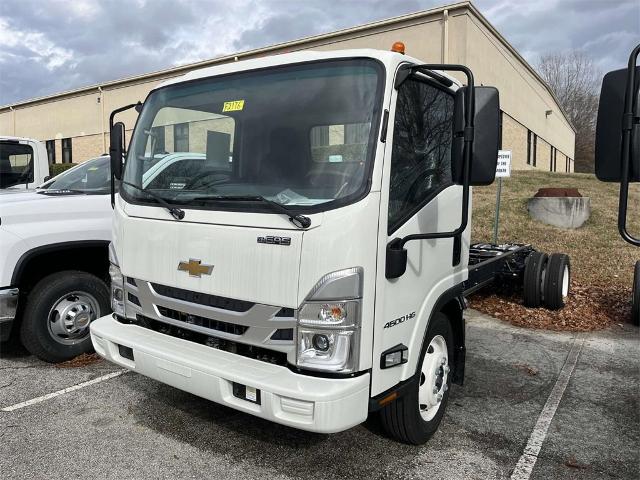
445,36
13,120
102,132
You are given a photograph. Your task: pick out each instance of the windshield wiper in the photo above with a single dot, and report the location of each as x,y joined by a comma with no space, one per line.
175,212
299,220
61,191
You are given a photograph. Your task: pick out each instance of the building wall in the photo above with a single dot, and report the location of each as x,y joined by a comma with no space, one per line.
514,138
522,96
456,35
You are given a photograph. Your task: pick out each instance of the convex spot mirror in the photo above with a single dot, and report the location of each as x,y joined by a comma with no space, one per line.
609,128
486,137
116,149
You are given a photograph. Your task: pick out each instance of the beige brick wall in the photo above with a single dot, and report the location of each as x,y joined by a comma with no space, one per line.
543,152
58,151
514,138
86,147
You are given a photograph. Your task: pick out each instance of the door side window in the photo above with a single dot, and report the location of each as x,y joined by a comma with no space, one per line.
421,154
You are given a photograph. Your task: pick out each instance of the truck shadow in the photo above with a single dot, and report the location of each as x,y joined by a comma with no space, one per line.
13,349
244,439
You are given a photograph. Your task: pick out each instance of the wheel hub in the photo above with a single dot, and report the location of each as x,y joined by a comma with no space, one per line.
70,316
433,378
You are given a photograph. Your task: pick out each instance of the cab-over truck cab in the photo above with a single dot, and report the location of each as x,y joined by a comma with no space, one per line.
310,269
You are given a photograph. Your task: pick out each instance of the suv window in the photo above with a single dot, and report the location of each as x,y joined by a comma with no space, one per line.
421,155
16,164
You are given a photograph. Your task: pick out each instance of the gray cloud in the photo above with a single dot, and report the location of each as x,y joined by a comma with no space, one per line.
46,47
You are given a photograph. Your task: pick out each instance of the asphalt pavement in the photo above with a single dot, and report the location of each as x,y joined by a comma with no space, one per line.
585,425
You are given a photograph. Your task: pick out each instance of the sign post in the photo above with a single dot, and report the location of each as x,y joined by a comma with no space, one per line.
503,169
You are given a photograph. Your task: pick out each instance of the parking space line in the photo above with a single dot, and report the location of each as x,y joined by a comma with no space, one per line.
73,388
527,461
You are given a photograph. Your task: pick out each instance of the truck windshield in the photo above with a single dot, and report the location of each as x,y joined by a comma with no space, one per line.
302,135
92,177
16,164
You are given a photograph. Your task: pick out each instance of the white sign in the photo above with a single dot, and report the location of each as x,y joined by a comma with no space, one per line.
503,169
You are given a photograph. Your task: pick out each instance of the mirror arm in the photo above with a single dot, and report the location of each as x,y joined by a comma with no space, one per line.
627,134
405,71
138,107
397,244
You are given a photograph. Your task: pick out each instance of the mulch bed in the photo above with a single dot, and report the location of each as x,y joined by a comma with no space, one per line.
588,308
80,361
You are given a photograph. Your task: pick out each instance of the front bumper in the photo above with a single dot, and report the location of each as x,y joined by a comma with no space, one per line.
305,402
8,307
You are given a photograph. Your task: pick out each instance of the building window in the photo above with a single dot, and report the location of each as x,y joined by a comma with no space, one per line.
67,156
555,159
551,158
528,147
535,150
181,137
158,139
51,151
566,164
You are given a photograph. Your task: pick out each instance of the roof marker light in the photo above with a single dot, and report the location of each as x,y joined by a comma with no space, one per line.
398,47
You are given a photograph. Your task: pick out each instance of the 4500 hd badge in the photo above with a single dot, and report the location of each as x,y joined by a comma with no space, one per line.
400,320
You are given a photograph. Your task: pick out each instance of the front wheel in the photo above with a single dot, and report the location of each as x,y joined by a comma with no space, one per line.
59,309
415,417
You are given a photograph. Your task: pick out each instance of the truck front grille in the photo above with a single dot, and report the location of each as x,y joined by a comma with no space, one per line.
203,298
199,321
249,351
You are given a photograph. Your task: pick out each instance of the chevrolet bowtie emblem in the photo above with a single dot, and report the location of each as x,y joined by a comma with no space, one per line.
195,268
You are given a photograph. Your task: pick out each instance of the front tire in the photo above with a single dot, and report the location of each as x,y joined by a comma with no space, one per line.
59,309
415,417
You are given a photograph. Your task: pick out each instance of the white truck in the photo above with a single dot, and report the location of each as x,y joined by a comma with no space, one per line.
54,261
617,152
23,162
311,269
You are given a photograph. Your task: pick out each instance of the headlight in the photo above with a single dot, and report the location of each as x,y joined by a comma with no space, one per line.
329,328
117,290
117,284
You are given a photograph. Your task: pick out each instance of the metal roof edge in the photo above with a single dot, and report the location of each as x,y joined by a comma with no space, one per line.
177,70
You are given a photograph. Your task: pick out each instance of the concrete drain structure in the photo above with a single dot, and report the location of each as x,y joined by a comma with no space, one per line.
560,207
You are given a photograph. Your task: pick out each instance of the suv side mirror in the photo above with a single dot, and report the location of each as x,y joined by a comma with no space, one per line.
486,136
609,127
116,149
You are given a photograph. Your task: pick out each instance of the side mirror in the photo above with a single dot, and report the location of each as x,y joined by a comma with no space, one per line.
47,178
116,149
486,137
609,128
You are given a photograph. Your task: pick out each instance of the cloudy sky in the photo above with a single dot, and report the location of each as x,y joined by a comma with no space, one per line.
47,46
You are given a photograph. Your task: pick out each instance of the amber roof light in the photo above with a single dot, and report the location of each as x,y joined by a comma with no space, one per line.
398,47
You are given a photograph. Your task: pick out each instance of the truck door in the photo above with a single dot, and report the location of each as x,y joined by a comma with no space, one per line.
418,196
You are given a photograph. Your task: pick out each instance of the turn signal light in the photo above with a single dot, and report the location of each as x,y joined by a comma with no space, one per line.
398,47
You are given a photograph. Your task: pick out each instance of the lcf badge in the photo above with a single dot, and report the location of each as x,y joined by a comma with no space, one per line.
233,106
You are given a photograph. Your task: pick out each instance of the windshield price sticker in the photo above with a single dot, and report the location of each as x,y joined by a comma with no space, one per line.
234,106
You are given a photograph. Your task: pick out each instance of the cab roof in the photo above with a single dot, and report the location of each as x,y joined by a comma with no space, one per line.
390,60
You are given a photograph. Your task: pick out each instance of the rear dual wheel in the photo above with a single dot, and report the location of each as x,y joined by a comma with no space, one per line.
546,280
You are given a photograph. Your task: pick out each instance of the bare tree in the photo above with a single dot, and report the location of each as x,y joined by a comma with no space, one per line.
575,80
